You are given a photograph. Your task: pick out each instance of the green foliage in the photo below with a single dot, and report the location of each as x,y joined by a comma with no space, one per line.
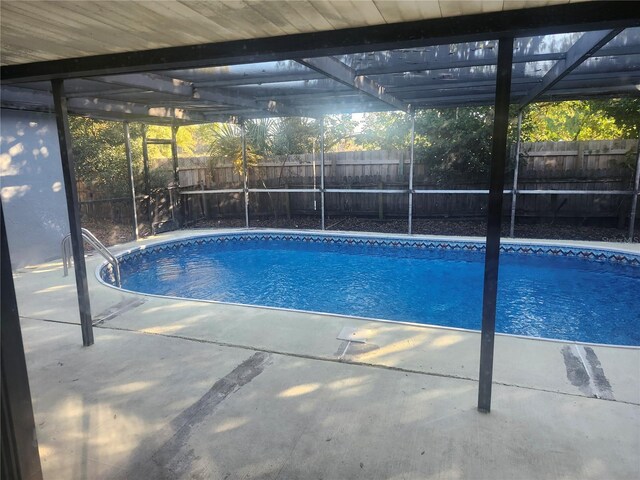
385,131
455,141
452,142
624,111
185,138
339,133
265,137
294,136
569,121
226,146
99,155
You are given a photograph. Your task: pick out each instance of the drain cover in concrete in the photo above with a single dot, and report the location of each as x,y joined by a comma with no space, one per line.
351,334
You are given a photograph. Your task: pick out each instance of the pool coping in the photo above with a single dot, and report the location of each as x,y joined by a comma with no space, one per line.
211,232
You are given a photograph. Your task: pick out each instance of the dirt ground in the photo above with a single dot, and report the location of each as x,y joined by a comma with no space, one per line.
430,226
113,233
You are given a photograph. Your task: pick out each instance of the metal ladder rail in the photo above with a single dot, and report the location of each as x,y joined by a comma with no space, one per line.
67,255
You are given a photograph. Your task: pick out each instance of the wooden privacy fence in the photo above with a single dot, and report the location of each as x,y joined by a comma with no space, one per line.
564,167
557,166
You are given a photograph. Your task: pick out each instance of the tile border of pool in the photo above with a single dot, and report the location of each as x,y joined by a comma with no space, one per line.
407,241
558,249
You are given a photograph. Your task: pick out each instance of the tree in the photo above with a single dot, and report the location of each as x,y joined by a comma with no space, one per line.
294,135
454,141
339,133
624,111
100,157
385,131
226,146
185,139
569,121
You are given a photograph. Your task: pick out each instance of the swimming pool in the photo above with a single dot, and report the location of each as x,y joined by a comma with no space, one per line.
545,291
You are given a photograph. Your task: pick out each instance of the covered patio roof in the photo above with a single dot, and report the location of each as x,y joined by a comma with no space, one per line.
546,67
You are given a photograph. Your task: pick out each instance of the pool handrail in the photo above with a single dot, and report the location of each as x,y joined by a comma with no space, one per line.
67,256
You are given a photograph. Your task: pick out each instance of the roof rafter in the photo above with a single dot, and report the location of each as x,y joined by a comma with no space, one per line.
334,68
437,61
584,47
22,98
181,88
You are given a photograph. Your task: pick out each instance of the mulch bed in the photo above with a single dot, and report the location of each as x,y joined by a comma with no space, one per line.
112,233
430,226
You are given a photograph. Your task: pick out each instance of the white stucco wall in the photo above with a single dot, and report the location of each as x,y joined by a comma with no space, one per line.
32,187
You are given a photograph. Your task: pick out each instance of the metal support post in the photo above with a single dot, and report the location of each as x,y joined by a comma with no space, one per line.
147,180
494,221
514,189
411,160
174,155
69,176
634,199
127,147
179,204
19,457
322,171
245,172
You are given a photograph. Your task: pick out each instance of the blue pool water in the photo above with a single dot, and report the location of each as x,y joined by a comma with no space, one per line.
545,296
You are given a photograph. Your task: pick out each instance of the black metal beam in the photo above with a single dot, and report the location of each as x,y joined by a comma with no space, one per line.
77,242
149,81
19,457
29,99
575,80
181,88
494,221
584,47
437,63
338,71
524,22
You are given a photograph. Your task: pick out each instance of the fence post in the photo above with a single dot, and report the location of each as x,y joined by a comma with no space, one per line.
636,192
514,190
322,171
411,162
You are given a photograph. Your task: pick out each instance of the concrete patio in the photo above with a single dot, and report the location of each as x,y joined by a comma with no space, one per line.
187,389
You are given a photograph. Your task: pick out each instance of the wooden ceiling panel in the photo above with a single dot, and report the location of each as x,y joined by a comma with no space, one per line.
50,30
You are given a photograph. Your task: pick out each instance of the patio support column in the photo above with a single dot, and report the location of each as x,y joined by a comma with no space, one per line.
494,221
322,171
245,172
19,453
77,244
127,147
634,199
514,190
411,160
